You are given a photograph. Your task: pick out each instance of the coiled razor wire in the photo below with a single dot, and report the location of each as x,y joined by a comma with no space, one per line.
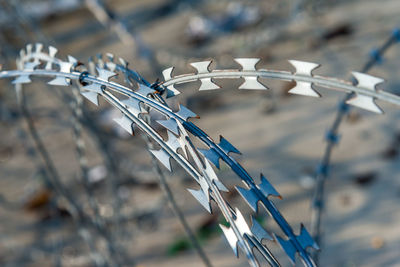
179,145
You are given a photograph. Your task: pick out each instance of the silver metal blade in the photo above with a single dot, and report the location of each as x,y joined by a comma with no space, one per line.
186,113
93,87
250,197
91,96
303,67
105,74
170,124
202,66
201,198
259,232
368,82
304,88
125,123
211,155
133,105
163,157
208,84
248,64
252,83
231,237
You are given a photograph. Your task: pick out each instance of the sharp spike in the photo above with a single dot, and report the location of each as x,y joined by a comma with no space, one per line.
201,198
29,49
170,124
167,73
242,224
248,64
163,157
38,47
111,66
133,105
91,96
305,239
252,83
21,79
231,237
288,248
171,91
94,87
304,88
259,232
123,62
125,123
365,102
186,113
22,53
59,81
29,66
211,155
52,51
211,174
72,60
368,82
105,74
204,187
110,57
267,188
202,66
65,67
173,141
208,84
250,197
304,68
226,146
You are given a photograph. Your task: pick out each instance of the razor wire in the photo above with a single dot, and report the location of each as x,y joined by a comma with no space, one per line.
332,138
108,18
365,94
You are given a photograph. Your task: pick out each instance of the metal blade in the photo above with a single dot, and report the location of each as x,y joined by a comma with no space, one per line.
163,157
211,155
186,113
125,123
267,189
250,197
226,146
201,198
252,83
91,96
231,237
259,232
248,64
368,82
170,124
208,84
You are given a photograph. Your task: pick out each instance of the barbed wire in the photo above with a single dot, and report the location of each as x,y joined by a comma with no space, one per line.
332,139
177,124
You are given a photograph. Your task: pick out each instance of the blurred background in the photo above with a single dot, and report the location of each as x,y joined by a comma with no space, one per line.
279,134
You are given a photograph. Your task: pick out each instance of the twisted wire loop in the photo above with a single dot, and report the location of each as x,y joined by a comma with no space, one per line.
179,145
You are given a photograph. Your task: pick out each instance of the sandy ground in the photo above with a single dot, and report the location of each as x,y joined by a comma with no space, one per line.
361,220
